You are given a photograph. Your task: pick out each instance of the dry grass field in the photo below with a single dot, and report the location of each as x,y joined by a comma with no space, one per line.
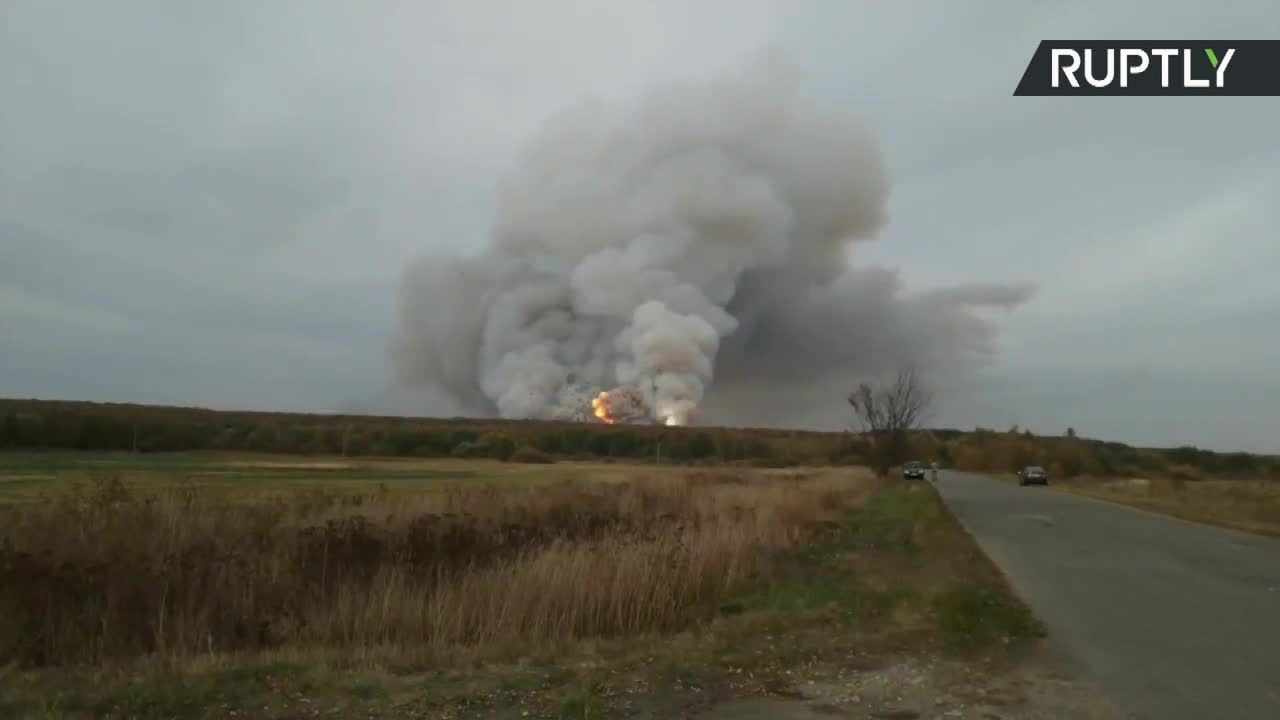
112,573
204,586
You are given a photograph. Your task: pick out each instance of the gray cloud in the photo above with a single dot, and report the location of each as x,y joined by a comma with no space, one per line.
214,204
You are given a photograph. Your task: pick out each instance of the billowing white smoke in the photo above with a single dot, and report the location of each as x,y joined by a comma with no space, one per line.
648,249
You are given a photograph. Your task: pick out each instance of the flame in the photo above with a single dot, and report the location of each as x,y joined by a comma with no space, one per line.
600,406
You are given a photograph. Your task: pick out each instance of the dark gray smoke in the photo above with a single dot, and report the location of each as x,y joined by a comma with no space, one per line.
689,251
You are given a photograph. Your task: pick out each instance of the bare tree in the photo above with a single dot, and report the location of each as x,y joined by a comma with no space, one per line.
889,412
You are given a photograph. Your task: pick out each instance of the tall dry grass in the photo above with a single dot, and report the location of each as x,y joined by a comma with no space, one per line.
1250,504
109,573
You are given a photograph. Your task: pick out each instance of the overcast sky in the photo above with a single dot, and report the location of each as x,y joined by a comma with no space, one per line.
211,203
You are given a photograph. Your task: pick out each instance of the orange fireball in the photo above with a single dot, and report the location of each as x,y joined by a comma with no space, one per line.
600,405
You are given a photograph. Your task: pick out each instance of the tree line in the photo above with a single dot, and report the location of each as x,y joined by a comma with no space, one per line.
59,425
146,429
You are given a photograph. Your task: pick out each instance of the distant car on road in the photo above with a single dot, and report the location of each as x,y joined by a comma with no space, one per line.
1033,475
913,470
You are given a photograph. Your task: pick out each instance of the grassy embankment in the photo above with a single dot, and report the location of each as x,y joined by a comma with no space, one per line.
197,586
1248,504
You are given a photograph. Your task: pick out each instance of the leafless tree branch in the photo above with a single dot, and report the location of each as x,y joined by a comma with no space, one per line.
890,411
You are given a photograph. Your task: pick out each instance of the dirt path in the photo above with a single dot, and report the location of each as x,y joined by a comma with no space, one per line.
1042,686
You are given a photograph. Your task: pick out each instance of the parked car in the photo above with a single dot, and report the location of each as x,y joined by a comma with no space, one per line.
1033,475
913,470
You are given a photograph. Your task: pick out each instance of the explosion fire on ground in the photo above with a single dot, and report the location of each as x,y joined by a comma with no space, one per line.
623,404
601,406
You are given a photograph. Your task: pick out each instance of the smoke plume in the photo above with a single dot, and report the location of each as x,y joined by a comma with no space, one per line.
686,255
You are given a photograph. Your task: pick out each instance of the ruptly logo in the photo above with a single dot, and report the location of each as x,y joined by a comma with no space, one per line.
1153,67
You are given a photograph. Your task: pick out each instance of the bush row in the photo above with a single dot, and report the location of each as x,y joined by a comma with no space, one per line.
105,426
93,426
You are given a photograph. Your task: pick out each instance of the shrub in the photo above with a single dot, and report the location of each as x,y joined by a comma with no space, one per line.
470,450
498,445
529,454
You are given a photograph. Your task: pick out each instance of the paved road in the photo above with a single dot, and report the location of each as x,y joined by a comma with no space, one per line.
1175,620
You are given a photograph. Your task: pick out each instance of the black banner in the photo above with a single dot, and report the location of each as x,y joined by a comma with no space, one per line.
1153,67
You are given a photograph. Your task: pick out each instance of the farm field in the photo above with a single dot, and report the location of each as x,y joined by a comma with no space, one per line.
27,475
202,585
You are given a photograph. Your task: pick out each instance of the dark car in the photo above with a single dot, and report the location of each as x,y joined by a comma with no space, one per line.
913,470
1033,475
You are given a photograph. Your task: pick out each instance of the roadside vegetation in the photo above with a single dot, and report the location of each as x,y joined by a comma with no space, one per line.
1066,456
555,590
1236,490
1251,505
